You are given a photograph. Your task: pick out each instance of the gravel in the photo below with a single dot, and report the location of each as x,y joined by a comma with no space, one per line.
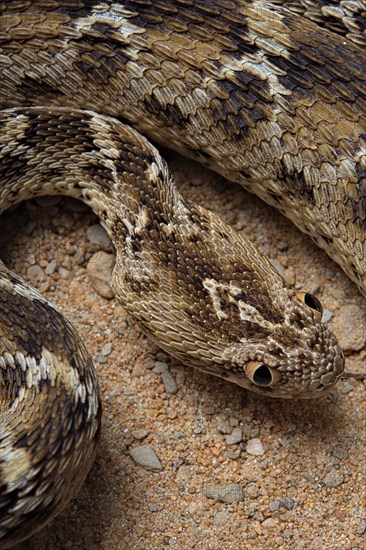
98,237
225,493
125,505
146,457
255,447
334,478
235,437
100,268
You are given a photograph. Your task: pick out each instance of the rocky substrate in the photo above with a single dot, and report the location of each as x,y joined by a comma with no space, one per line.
186,460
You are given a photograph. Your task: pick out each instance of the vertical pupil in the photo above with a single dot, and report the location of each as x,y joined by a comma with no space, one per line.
312,302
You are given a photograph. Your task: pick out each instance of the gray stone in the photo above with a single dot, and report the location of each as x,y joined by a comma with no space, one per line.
361,529
254,447
288,503
349,325
334,478
339,452
100,269
51,267
224,428
169,382
250,508
140,433
235,437
222,517
64,273
145,456
35,274
327,316
274,505
347,387
269,523
106,349
160,367
227,493
98,236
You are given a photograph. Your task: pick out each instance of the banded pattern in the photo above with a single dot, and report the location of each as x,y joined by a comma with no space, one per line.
252,90
271,95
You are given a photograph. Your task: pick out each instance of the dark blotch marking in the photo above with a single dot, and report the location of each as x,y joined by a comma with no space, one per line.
359,206
295,183
32,87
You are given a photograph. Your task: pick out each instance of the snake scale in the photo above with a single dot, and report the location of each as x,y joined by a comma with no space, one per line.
269,94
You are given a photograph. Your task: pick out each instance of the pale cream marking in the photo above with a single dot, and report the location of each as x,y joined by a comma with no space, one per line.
212,286
247,312
142,220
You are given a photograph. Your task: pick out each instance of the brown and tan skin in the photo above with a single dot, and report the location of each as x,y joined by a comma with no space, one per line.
253,90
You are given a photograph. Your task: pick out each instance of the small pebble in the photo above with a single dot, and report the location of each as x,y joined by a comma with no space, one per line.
263,464
274,505
250,508
269,523
334,478
327,316
35,274
106,349
339,452
169,382
99,269
287,503
209,410
252,490
361,529
224,428
64,273
346,388
254,432
162,356
228,493
222,517
160,367
198,430
145,456
233,453
139,433
51,267
255,447
350,326
235,437
98,235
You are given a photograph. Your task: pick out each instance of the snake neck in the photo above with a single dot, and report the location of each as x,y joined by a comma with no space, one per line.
88,157
198,288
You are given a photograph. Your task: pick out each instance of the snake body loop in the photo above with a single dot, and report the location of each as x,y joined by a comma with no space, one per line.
271,95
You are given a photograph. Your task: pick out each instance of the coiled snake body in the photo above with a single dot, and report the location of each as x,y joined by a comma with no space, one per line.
271,95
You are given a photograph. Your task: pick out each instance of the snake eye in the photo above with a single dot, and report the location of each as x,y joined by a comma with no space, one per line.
311,301
260,374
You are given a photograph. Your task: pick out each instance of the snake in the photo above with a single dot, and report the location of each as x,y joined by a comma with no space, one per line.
270,95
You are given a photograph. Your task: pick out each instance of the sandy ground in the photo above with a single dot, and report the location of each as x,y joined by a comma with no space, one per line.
306,488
